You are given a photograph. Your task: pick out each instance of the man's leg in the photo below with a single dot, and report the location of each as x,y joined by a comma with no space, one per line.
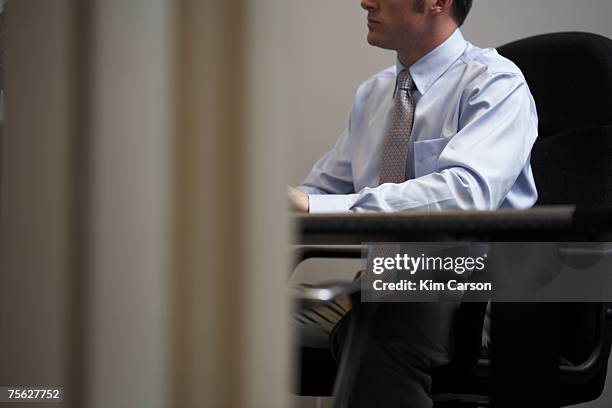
406,339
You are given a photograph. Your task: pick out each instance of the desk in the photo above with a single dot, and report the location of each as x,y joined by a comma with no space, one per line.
537,224
525,347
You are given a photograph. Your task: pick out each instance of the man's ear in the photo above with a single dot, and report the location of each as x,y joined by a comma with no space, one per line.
440,6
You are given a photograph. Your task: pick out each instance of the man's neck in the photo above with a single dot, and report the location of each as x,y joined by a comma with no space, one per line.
413,53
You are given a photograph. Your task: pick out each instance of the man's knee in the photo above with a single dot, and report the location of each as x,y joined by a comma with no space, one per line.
388,376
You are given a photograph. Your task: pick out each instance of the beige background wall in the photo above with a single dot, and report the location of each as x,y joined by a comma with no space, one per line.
334,58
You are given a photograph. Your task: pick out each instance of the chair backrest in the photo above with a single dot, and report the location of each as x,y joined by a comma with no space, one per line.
570,77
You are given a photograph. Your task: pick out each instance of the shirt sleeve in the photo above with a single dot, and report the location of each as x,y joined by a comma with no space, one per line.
476,168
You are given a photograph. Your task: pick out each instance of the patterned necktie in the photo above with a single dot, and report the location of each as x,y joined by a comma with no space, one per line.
397,139
393,164
315,322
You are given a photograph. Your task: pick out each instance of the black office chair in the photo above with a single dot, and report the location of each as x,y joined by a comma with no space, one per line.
570,77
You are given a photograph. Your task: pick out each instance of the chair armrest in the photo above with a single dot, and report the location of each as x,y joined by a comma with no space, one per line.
323,292
337,252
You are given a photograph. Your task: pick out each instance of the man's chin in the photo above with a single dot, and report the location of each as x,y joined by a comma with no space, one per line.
376,41
373,39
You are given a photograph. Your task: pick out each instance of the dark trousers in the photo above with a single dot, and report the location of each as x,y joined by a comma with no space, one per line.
403,342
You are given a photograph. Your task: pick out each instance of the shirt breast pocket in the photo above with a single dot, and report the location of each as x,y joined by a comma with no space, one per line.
426,155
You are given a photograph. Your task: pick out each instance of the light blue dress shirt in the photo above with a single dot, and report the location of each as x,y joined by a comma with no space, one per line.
475,123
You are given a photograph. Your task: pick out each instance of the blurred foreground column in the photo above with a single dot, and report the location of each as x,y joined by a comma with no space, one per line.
39,343
232,122
144,236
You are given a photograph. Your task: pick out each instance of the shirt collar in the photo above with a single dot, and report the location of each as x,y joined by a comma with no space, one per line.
426,71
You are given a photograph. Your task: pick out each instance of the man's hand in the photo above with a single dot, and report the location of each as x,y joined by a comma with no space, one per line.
298,200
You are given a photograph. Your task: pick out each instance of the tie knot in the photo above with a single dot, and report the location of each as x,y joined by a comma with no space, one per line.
405,81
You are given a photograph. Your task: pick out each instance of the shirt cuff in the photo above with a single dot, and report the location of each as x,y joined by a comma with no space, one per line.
329,203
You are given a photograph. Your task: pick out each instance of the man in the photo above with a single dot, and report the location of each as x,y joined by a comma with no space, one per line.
450,126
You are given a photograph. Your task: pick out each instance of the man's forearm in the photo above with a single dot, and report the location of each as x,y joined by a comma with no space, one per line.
298,200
